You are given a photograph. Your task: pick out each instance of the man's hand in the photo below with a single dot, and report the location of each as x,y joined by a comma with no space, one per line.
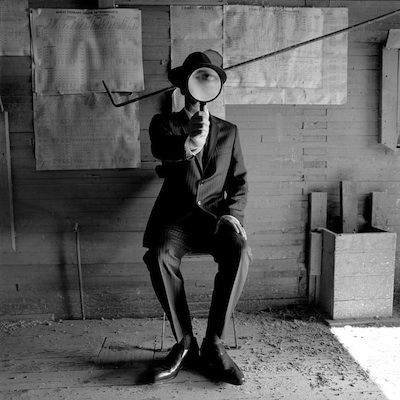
233,223
198,127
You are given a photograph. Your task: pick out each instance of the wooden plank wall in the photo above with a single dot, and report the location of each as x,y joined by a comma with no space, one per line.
290,151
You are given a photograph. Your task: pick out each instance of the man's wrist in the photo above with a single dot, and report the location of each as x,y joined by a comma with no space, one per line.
191,147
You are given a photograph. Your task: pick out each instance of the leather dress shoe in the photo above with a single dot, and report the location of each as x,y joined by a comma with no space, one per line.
177,358
218,362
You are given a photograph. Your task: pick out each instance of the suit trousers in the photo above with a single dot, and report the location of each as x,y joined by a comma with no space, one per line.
196,233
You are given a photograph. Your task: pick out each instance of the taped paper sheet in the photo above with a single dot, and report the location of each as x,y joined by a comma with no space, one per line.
311,74
14,28
75,50
251,32
84,132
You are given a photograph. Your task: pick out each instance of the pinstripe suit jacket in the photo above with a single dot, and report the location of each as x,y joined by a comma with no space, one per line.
216,183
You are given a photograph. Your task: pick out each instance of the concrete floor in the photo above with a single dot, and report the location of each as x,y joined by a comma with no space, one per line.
286,354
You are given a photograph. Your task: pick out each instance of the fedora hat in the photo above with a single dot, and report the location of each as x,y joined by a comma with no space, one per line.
178,76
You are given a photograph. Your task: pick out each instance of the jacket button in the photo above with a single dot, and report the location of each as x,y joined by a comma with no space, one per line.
199,202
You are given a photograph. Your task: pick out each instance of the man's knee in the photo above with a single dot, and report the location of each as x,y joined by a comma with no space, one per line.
234,249
157,257
230,241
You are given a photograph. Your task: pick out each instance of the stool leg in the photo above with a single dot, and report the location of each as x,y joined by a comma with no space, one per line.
163,332
234,329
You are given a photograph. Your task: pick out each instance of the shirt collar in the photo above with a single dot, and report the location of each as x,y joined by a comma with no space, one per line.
190,115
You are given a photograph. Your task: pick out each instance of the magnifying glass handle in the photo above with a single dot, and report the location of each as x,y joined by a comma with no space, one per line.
202,105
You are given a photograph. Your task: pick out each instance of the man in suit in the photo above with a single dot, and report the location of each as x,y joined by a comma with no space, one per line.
200,208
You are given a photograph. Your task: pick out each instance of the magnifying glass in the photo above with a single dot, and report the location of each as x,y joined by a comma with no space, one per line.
204,85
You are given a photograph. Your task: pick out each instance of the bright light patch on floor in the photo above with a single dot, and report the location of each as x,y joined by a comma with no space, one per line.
377,351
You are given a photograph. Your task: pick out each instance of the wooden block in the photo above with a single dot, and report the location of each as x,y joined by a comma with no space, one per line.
315,256
393,40
326,297
317,210
389,131
348,206
314,267
7,228
357,274
317,219
379,210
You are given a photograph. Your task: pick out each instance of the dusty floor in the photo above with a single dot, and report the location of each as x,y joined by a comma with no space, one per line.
286,354
376,348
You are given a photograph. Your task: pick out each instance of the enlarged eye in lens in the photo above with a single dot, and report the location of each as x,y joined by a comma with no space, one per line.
204,84
205,76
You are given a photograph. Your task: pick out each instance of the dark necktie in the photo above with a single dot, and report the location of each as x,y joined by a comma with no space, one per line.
204,151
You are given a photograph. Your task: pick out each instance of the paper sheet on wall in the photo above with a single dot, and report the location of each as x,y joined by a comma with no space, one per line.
311,74
196,28
87,133
75,50
14,28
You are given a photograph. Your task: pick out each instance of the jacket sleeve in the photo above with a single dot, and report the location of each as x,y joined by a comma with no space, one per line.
167,140
236,186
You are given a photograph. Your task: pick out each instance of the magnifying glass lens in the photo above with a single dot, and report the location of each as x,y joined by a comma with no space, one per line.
204,84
